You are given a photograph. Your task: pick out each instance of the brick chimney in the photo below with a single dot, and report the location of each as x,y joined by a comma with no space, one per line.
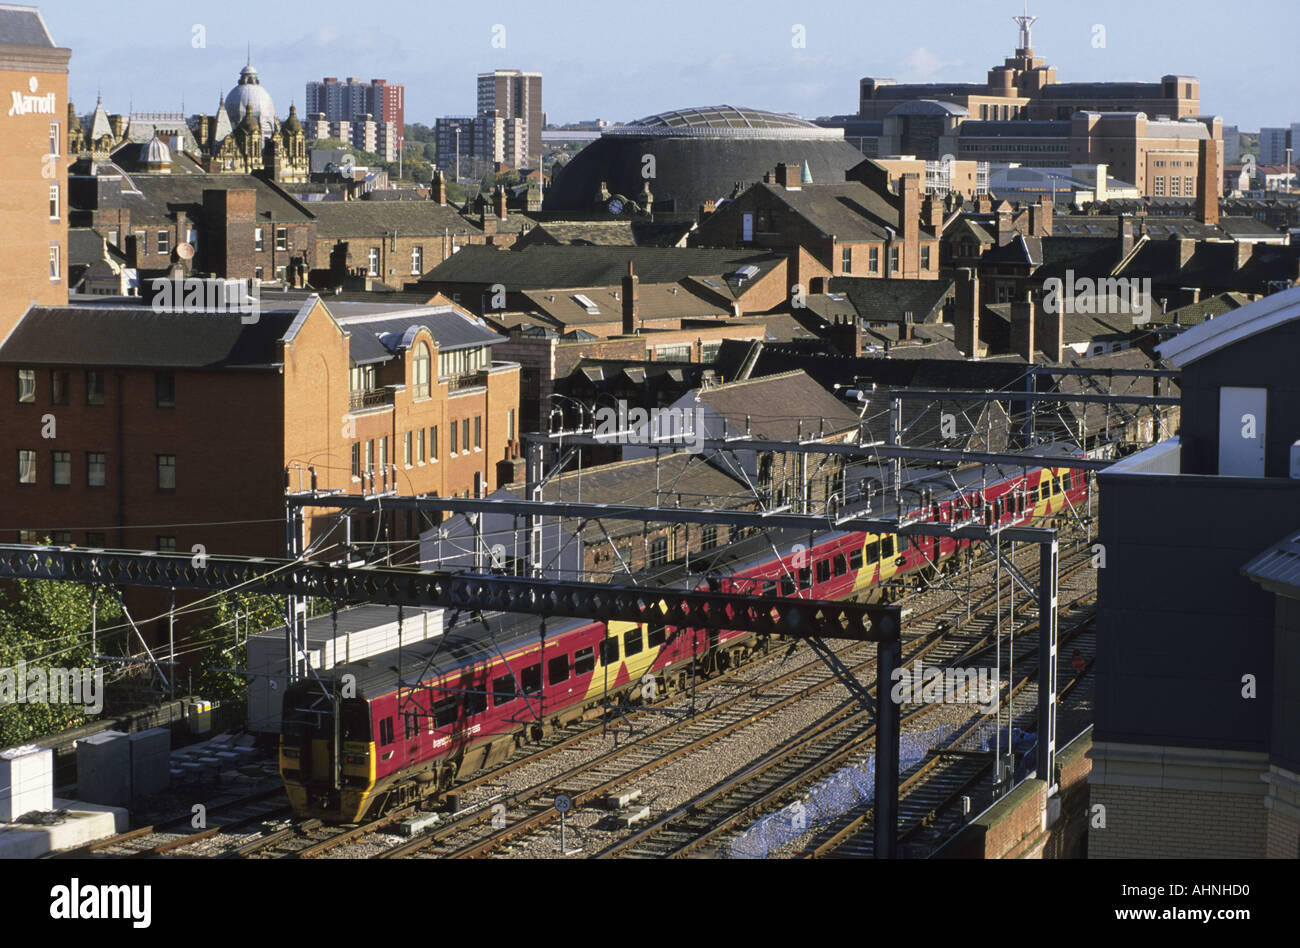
488,222
846,336
789,176
984,204
1050,331
1005,227
966,313
631,291
499,198
1040,218
439,189
909,222
1124,234
1208,178
1022,328
932,213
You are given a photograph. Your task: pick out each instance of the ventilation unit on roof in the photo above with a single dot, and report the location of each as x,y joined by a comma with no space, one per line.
747,272
586,303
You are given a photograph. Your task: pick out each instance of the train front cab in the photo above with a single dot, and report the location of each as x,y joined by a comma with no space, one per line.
320,782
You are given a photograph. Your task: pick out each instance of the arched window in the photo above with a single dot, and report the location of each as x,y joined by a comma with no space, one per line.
421,379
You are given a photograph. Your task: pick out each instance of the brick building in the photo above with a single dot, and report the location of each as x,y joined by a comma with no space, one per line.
34,213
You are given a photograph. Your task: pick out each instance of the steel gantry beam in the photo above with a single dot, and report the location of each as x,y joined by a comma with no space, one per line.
686,608
756,519
1094,398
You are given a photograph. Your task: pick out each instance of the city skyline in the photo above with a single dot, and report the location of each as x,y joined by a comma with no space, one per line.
654,65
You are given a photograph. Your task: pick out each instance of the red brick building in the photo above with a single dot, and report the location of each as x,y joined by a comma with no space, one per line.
33,149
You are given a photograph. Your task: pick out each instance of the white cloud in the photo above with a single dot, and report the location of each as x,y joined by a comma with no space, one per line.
923,65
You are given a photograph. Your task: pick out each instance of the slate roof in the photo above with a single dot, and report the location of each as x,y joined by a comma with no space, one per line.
1213,266
405,218
1194,314
654,302
621,233
848,211
167,193
109,336
86,247
775,404
879,300
23,26
451,328
545,267
1079,328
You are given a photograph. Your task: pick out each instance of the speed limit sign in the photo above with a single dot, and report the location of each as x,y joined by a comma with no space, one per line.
563,803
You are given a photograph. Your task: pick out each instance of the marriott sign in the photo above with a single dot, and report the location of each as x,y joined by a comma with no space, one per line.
32,104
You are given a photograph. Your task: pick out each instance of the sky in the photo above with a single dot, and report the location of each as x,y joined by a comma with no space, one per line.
624,59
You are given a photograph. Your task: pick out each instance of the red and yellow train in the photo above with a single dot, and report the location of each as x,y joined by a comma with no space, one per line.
361,738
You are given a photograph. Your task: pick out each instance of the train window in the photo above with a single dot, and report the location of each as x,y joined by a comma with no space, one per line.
503,690
873,551
386,735
632,642
584,661
787,588
475,699
444,711
887,547
557,669
609,651
657,635
769,588
805,578
531,679
823,571
841,564
855,559
411,724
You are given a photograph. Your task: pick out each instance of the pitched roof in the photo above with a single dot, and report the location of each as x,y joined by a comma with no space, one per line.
654,302
450,327
546,267
624,233
134,336
848,211
405,218
1277,569
879,300
1213,266
1226,330
164,194
23,26
775,406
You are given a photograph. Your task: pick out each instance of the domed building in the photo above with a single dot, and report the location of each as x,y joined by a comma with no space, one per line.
250,94
699,155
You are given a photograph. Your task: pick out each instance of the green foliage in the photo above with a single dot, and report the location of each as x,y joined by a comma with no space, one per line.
47,624
256,614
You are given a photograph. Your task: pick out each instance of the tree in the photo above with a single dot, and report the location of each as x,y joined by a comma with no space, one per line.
47,625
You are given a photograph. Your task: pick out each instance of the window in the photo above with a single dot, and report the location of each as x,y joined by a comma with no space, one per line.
374,261
887,547
557,670
165,544
893,259
166,464
165,389
60,383
56,138
259,239
659,552
26,467
61,468
26,386
609,651
282,238
840,565
433,443
96,541
94,388
656,635
383,453
281,274
258,273
56,264
96,469
356,459
584,661
510,425
164,242
28,537
632,642
846,260
503,690
61,538
823,571
478,432
464,437
455,436
114,237
419,446
855,559
873,260
444,712
417,261
421,370
54,202
531,679
476,701
925,258
709,537
408,449
386,735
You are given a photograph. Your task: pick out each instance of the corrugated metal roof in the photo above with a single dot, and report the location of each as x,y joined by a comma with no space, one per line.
1277,569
